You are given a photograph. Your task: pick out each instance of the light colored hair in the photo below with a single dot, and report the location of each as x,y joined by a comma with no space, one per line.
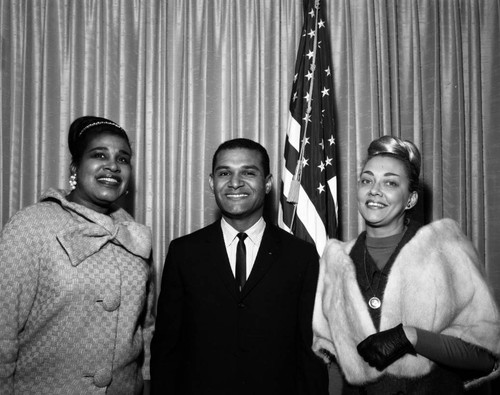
403,150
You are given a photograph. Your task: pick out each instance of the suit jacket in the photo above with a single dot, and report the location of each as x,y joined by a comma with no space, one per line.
212,339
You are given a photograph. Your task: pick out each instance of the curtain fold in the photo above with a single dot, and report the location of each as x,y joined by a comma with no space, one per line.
184,75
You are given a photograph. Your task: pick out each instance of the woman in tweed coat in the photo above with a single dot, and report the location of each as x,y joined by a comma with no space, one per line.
75,279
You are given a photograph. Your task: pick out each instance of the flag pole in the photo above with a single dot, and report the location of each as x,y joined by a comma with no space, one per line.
293,193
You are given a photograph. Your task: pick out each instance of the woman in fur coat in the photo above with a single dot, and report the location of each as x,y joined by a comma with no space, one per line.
403,308
75,280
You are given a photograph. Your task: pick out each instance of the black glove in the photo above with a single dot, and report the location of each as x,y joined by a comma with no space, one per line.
383,348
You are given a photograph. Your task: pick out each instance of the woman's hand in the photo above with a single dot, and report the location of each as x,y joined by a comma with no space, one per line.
383,348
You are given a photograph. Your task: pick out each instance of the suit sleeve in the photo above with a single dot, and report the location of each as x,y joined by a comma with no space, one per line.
165,352
314,373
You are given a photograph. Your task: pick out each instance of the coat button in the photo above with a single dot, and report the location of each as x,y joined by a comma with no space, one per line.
111,302
102,378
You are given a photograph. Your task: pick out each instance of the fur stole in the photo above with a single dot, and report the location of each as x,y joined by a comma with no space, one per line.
436,283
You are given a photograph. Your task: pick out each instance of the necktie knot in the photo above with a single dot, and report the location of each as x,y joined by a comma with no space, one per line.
242,236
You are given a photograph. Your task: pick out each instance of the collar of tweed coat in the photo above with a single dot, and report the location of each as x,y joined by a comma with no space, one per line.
95,230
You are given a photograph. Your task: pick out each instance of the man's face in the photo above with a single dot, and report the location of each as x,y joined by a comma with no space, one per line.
240,186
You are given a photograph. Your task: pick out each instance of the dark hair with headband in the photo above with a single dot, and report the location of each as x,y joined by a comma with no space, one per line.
404,150
85,128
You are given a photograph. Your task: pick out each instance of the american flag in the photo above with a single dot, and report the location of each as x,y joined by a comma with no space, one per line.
309,183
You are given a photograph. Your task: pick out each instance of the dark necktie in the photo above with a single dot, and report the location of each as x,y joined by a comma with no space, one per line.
241,261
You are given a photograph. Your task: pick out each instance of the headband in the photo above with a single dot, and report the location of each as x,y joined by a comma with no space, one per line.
90,125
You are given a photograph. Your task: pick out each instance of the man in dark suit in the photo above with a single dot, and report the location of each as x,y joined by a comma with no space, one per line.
238,325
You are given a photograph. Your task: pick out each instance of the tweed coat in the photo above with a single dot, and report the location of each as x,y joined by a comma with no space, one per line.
75,301
436,283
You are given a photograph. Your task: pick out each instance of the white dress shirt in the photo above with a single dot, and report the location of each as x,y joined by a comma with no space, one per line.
252,242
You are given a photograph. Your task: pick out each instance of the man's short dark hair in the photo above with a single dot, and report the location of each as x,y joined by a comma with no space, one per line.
248,144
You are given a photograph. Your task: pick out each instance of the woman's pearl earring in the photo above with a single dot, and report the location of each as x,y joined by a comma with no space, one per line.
72,181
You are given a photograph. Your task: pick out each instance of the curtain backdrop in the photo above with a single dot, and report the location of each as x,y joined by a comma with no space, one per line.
184,75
